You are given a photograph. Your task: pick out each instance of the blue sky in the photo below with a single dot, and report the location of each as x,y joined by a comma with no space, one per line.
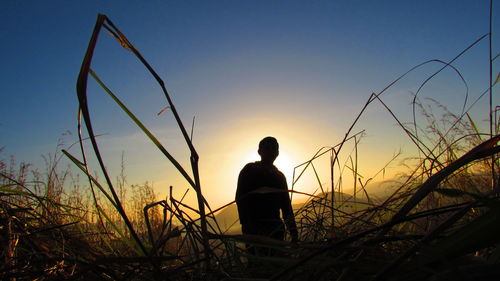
300,70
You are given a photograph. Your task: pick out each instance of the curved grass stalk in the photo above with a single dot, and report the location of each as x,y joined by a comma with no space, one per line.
81,90
104,22
447,64
484,150
143,128
194,155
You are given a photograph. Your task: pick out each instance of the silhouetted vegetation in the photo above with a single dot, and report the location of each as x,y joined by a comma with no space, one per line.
441,221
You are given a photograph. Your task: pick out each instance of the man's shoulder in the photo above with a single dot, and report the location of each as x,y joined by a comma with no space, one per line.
249,167
252,165
257,167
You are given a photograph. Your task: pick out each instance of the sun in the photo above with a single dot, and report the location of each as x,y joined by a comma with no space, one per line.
285,163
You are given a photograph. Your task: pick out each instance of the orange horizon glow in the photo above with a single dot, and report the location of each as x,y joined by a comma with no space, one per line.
225,152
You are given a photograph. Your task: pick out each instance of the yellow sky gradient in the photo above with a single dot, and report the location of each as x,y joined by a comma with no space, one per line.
224,151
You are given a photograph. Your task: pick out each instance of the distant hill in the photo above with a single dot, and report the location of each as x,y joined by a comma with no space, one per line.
383,189
228,219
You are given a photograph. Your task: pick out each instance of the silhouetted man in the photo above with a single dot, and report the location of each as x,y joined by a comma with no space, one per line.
262,192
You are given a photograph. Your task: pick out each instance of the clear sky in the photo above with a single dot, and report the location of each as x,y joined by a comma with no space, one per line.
297,70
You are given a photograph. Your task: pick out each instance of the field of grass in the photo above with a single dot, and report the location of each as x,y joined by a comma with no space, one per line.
440,222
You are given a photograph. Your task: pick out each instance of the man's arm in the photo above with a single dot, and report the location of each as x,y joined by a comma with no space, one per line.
287,210
241,192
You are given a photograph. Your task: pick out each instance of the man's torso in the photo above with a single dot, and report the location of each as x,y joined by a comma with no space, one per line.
260,194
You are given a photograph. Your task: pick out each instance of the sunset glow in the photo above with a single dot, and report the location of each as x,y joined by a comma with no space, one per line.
131,133
301,73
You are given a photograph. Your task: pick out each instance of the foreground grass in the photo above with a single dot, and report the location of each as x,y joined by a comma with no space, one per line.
440,223
434,230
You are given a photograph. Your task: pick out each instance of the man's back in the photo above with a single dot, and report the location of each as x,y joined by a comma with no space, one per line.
261,193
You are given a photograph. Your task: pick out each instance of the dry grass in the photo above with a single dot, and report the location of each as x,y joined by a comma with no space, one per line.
440,223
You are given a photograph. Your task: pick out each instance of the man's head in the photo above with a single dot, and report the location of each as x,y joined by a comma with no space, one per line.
268,149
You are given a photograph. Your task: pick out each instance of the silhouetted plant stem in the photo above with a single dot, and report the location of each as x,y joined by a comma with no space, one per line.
332,183
103,21
446,64
82,98
490,63
194,155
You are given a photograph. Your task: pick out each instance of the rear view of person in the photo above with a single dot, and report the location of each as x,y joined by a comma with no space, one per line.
262,193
